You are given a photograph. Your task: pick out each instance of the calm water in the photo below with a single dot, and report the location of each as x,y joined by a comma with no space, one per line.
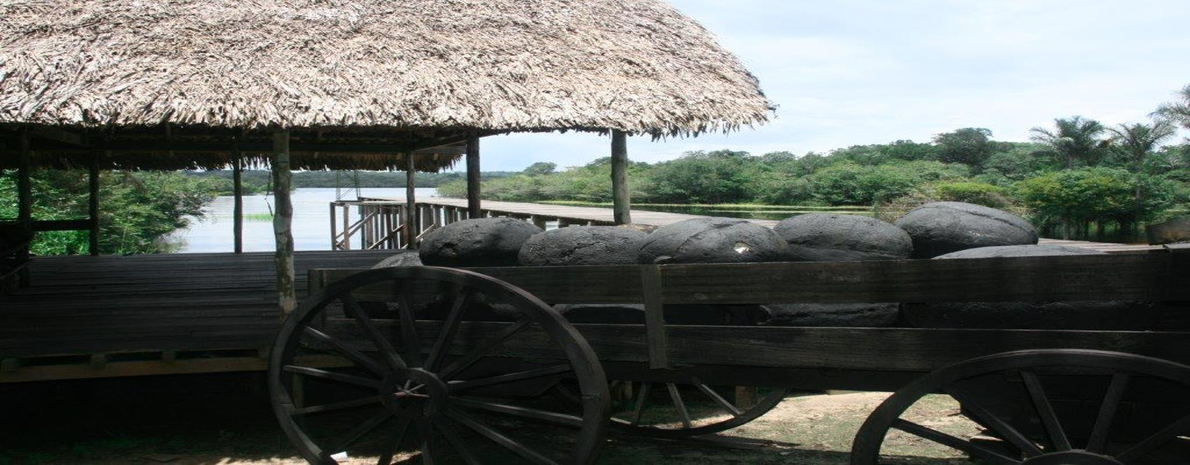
311,221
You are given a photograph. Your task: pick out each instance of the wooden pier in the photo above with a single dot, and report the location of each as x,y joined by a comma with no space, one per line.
380,225
86,317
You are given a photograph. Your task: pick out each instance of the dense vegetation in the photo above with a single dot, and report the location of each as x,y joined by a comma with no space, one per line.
137,209
257,181
1074,176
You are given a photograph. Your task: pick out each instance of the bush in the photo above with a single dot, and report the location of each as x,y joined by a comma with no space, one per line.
978,193
1079,197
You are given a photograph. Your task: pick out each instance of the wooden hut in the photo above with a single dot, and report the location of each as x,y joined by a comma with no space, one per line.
357,84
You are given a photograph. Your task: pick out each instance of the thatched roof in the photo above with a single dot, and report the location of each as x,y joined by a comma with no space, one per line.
495,65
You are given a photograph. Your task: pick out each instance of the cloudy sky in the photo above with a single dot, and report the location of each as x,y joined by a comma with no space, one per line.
848,72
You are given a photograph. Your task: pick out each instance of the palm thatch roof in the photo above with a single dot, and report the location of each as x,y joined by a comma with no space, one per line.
373,67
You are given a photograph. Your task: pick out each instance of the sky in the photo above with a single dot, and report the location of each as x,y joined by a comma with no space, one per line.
853,72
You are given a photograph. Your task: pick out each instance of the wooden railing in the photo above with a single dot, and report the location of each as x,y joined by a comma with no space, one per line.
373,223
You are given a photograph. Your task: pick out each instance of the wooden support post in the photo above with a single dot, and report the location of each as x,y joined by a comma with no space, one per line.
93,203
621,197
282,224
334,229
473,202
24,201
410,203
655,336
237,211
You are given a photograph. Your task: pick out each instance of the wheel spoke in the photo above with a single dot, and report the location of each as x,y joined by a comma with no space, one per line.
990,420
681,406
336,406
1107,411
394,442
640,403
465,361
426,432
354,355
735,412
449,327
1046,411
553,417
409,328
953,442
453,438
382,344
358,432
499,438
319,373
1178,428
511,377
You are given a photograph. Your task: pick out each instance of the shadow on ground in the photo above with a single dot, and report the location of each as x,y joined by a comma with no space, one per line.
226,419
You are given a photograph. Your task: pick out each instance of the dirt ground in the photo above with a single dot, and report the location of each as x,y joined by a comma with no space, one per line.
225,419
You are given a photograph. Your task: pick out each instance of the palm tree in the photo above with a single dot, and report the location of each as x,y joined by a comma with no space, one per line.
1075,139
1177,111
1137,141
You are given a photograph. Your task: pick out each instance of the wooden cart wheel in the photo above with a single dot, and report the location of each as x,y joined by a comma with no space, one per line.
1050,434
673,418
391,374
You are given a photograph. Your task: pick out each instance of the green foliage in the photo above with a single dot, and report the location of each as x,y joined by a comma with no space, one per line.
979,193
852,184
541,167
136,209
1095,195
700,177
969,146
1074,141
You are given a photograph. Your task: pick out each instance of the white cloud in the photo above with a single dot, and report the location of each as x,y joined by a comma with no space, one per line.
870,71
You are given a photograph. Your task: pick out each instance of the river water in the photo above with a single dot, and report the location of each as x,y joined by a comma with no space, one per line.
311,220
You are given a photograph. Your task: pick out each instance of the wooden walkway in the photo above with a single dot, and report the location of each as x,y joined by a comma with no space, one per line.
157,304
595,215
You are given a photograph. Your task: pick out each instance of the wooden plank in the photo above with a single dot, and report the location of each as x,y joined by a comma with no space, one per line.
885,349
1146,277
156,367
650,277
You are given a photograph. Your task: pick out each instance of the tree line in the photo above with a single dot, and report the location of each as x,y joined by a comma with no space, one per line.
1075,178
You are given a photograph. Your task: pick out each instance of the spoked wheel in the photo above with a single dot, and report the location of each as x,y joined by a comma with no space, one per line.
359,370
675,410
1043,407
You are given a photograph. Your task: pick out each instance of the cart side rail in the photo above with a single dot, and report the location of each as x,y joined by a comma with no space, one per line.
1140,277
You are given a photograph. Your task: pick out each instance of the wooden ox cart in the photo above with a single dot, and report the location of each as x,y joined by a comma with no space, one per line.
466,365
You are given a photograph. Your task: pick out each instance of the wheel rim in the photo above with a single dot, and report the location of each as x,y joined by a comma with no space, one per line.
676,419
442,379
1053,443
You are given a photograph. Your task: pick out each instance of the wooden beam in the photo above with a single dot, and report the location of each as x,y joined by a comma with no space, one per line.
473,182
621,197
283,224
24,200
410,203
237,211
93,203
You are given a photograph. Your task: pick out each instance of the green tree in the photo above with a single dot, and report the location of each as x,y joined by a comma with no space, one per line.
969,146
1101,195
1075,139
1136,143
1177,111
540,168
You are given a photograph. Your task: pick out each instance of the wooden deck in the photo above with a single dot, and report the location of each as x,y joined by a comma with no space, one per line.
596,215
161,305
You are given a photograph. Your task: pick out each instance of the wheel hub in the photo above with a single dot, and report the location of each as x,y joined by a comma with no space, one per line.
1072,457
413,393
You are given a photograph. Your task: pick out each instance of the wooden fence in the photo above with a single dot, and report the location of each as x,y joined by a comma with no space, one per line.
375,224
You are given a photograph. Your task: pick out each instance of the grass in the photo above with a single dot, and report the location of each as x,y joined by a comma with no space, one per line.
258,217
